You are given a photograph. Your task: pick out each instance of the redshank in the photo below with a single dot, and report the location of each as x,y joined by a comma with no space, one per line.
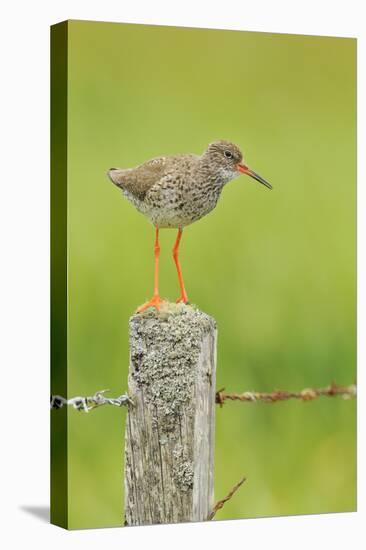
175,191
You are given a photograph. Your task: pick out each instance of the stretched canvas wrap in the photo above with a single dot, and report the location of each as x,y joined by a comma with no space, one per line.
203,295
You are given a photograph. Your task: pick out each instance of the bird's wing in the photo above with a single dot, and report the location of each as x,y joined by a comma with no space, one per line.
138,181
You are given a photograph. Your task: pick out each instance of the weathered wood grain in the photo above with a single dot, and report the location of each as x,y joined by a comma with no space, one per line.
169,443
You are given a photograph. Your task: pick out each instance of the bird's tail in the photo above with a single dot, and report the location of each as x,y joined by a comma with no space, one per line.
116,176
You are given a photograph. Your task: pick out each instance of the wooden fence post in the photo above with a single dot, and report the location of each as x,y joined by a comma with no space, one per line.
170,429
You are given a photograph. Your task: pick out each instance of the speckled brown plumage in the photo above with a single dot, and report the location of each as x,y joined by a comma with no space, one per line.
175,191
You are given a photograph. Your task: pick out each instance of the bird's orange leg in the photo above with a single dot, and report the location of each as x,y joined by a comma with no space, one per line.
183,294
155,300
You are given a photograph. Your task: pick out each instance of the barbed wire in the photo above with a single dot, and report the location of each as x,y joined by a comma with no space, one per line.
88,403
307,394
219,504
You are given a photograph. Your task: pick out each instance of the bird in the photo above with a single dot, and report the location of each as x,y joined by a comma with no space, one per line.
175,191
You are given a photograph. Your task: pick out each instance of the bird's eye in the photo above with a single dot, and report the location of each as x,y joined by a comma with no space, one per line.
228,154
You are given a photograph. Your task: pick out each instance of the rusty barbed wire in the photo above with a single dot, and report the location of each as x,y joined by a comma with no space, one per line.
220,503
307,394
88,403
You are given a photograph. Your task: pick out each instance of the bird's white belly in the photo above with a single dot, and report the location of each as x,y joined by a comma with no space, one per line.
170,210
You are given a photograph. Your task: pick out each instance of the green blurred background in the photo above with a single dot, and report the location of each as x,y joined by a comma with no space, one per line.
276,269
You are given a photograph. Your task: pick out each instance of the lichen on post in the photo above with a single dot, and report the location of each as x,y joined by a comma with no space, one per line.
169,444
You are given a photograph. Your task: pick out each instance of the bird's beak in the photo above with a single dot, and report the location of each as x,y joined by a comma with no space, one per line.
245,170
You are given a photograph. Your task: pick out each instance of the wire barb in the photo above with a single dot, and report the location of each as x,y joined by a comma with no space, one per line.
307,394
220,503
88,403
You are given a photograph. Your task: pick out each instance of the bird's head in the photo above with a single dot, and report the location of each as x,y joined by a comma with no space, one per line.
226,158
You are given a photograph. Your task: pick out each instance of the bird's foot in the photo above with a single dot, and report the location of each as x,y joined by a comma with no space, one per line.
155,301
183,299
